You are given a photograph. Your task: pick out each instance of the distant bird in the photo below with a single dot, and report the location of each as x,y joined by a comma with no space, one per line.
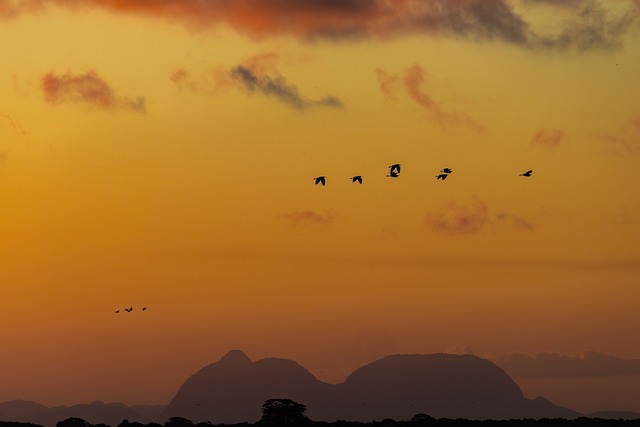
442,176
144,308
117,311
394,168
446,170
319,180
392,174
357,178
527,173
128,310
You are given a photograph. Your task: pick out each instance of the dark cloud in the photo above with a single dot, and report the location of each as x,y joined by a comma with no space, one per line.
306,218
472,218
548,138
278,87
88,88
591,28
554,365
478,20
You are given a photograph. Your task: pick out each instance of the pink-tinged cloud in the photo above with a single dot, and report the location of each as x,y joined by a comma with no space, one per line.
548,138
307,217
88,88
625,141
476,20
388,83
412,80
474,217
455,218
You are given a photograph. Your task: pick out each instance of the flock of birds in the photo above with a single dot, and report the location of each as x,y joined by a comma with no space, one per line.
394,172
130,309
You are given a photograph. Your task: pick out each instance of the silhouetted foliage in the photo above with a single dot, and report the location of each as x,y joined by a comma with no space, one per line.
421,418
17,424
73,422
283,411
178,422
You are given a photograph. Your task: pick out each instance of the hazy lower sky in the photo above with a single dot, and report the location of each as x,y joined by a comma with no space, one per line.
161,154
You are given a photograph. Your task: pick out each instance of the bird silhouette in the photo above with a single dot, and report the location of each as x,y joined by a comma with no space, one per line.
392,174
395,168
357,178
446,170
442,176
527,173
320,180
144,308
117,311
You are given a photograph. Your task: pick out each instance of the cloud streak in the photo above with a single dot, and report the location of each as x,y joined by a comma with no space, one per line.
548,138
15,125
88,88
307,217
254,75
475,217
476,20
623,142
412,80
278,88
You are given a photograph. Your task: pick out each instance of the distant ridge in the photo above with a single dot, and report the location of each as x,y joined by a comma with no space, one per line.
233,389
94,413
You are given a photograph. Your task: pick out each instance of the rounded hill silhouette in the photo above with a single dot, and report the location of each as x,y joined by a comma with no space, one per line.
233,389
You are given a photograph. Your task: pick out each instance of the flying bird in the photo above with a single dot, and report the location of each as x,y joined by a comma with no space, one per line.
117,311
392,174
144,308
527,173
442,176
357,178
319,180
446,170
394,168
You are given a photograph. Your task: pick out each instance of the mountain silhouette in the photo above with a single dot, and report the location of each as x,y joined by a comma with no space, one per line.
234,389
398,387
15,409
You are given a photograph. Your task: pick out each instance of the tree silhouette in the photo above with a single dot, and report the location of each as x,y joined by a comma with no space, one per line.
283,411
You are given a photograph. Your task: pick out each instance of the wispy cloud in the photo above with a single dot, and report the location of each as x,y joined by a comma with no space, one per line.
514,220
476,20
474,217
412,80
256,74
13,123
87,88
548,138
622,142
456,218
307,217
554,365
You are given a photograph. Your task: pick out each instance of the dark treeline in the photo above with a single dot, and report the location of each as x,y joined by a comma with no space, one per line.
418,420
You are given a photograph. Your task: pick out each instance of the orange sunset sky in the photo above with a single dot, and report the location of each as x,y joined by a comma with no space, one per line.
161,154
